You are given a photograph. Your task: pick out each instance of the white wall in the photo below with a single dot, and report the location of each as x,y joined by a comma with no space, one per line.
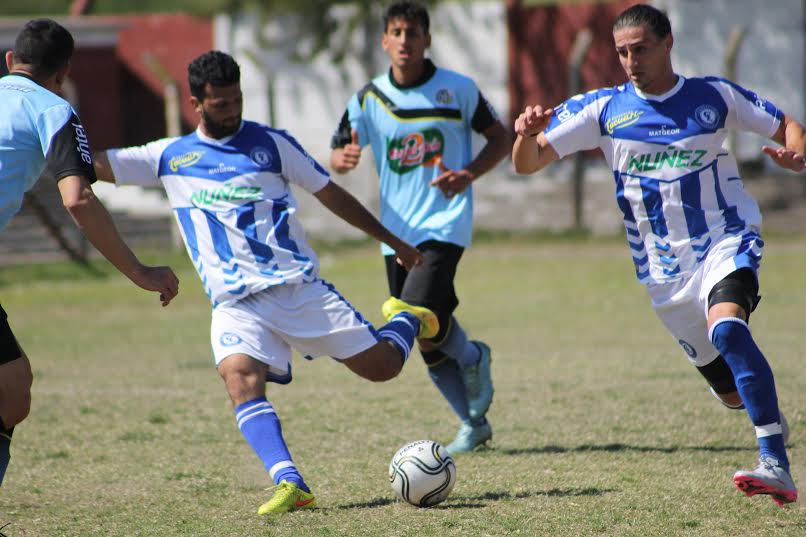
771,57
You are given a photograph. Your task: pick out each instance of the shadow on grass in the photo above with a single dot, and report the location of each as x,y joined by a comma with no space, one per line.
536,450
481,500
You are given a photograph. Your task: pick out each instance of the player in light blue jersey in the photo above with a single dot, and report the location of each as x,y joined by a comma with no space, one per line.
38,129
419,120
693,231
229,184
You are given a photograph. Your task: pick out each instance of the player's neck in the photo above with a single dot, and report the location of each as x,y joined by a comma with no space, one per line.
662,85
49,84
411,76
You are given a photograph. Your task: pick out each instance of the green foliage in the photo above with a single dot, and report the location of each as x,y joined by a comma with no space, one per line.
601,427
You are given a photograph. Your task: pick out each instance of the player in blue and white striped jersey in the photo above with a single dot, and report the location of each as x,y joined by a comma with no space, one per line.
693,231
229,184
39,129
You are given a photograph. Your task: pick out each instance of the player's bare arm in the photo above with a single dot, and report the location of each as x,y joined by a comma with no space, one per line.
532,151
499,143
345,158
791,135
97,225
345,206
103,170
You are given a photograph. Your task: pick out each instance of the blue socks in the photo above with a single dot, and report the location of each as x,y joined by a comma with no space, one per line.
458,347
447,378
260,426
400,331
731,336
5,449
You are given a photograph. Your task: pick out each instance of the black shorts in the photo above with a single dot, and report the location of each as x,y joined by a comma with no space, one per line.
9,350
430,284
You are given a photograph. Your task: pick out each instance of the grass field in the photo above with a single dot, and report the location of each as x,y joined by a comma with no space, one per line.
601,427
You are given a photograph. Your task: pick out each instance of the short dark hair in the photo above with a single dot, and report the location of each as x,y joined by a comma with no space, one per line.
44,45
215,68
639,14
411,11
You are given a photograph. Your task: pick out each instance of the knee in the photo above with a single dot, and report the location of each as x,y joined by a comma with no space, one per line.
243,381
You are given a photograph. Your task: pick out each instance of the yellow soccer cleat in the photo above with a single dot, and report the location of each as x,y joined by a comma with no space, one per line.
429,324
287,497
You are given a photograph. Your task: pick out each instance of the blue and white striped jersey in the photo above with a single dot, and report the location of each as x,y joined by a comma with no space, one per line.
676,185
37,128
234,205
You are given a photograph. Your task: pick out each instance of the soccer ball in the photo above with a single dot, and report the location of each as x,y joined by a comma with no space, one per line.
422,473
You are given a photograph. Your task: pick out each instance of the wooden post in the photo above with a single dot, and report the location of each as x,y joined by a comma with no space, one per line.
580,48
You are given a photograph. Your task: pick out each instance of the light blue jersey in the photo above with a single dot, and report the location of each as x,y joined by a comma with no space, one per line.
677,187
37,128
410,129
234,205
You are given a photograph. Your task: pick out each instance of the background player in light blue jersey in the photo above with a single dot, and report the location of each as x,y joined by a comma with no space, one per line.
37,129
229,186
419,119
693,230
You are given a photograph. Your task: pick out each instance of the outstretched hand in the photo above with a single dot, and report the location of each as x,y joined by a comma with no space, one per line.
786,158
533,121
451,182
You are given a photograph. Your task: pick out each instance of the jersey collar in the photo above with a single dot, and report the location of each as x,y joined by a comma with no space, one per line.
430,69
22,75
219,141
649,97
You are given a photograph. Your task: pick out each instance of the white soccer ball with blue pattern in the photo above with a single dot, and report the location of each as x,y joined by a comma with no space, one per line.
422,473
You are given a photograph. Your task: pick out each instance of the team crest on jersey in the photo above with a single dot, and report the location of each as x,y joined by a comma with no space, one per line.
691,351
707,116
444,96
623,120
414,150
228,339
261,156
183,161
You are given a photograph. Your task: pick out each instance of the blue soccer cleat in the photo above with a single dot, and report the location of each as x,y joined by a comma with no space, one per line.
479,383
470,437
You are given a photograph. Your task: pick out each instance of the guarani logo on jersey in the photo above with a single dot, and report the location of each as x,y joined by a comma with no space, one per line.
414,150
229,192
623,120
683,158
182,161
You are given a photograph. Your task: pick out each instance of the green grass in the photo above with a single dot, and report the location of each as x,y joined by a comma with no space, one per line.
600,425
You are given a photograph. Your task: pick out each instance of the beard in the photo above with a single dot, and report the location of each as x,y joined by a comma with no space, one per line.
218,129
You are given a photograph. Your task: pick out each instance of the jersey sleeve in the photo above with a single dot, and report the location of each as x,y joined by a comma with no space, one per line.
352,119
749,111
574,127
65,144
298,166
137,165
484,115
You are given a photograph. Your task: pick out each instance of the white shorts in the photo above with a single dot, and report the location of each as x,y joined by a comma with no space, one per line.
682,306
313,318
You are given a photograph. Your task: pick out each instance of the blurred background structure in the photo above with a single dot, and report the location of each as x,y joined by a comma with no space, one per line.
302,60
